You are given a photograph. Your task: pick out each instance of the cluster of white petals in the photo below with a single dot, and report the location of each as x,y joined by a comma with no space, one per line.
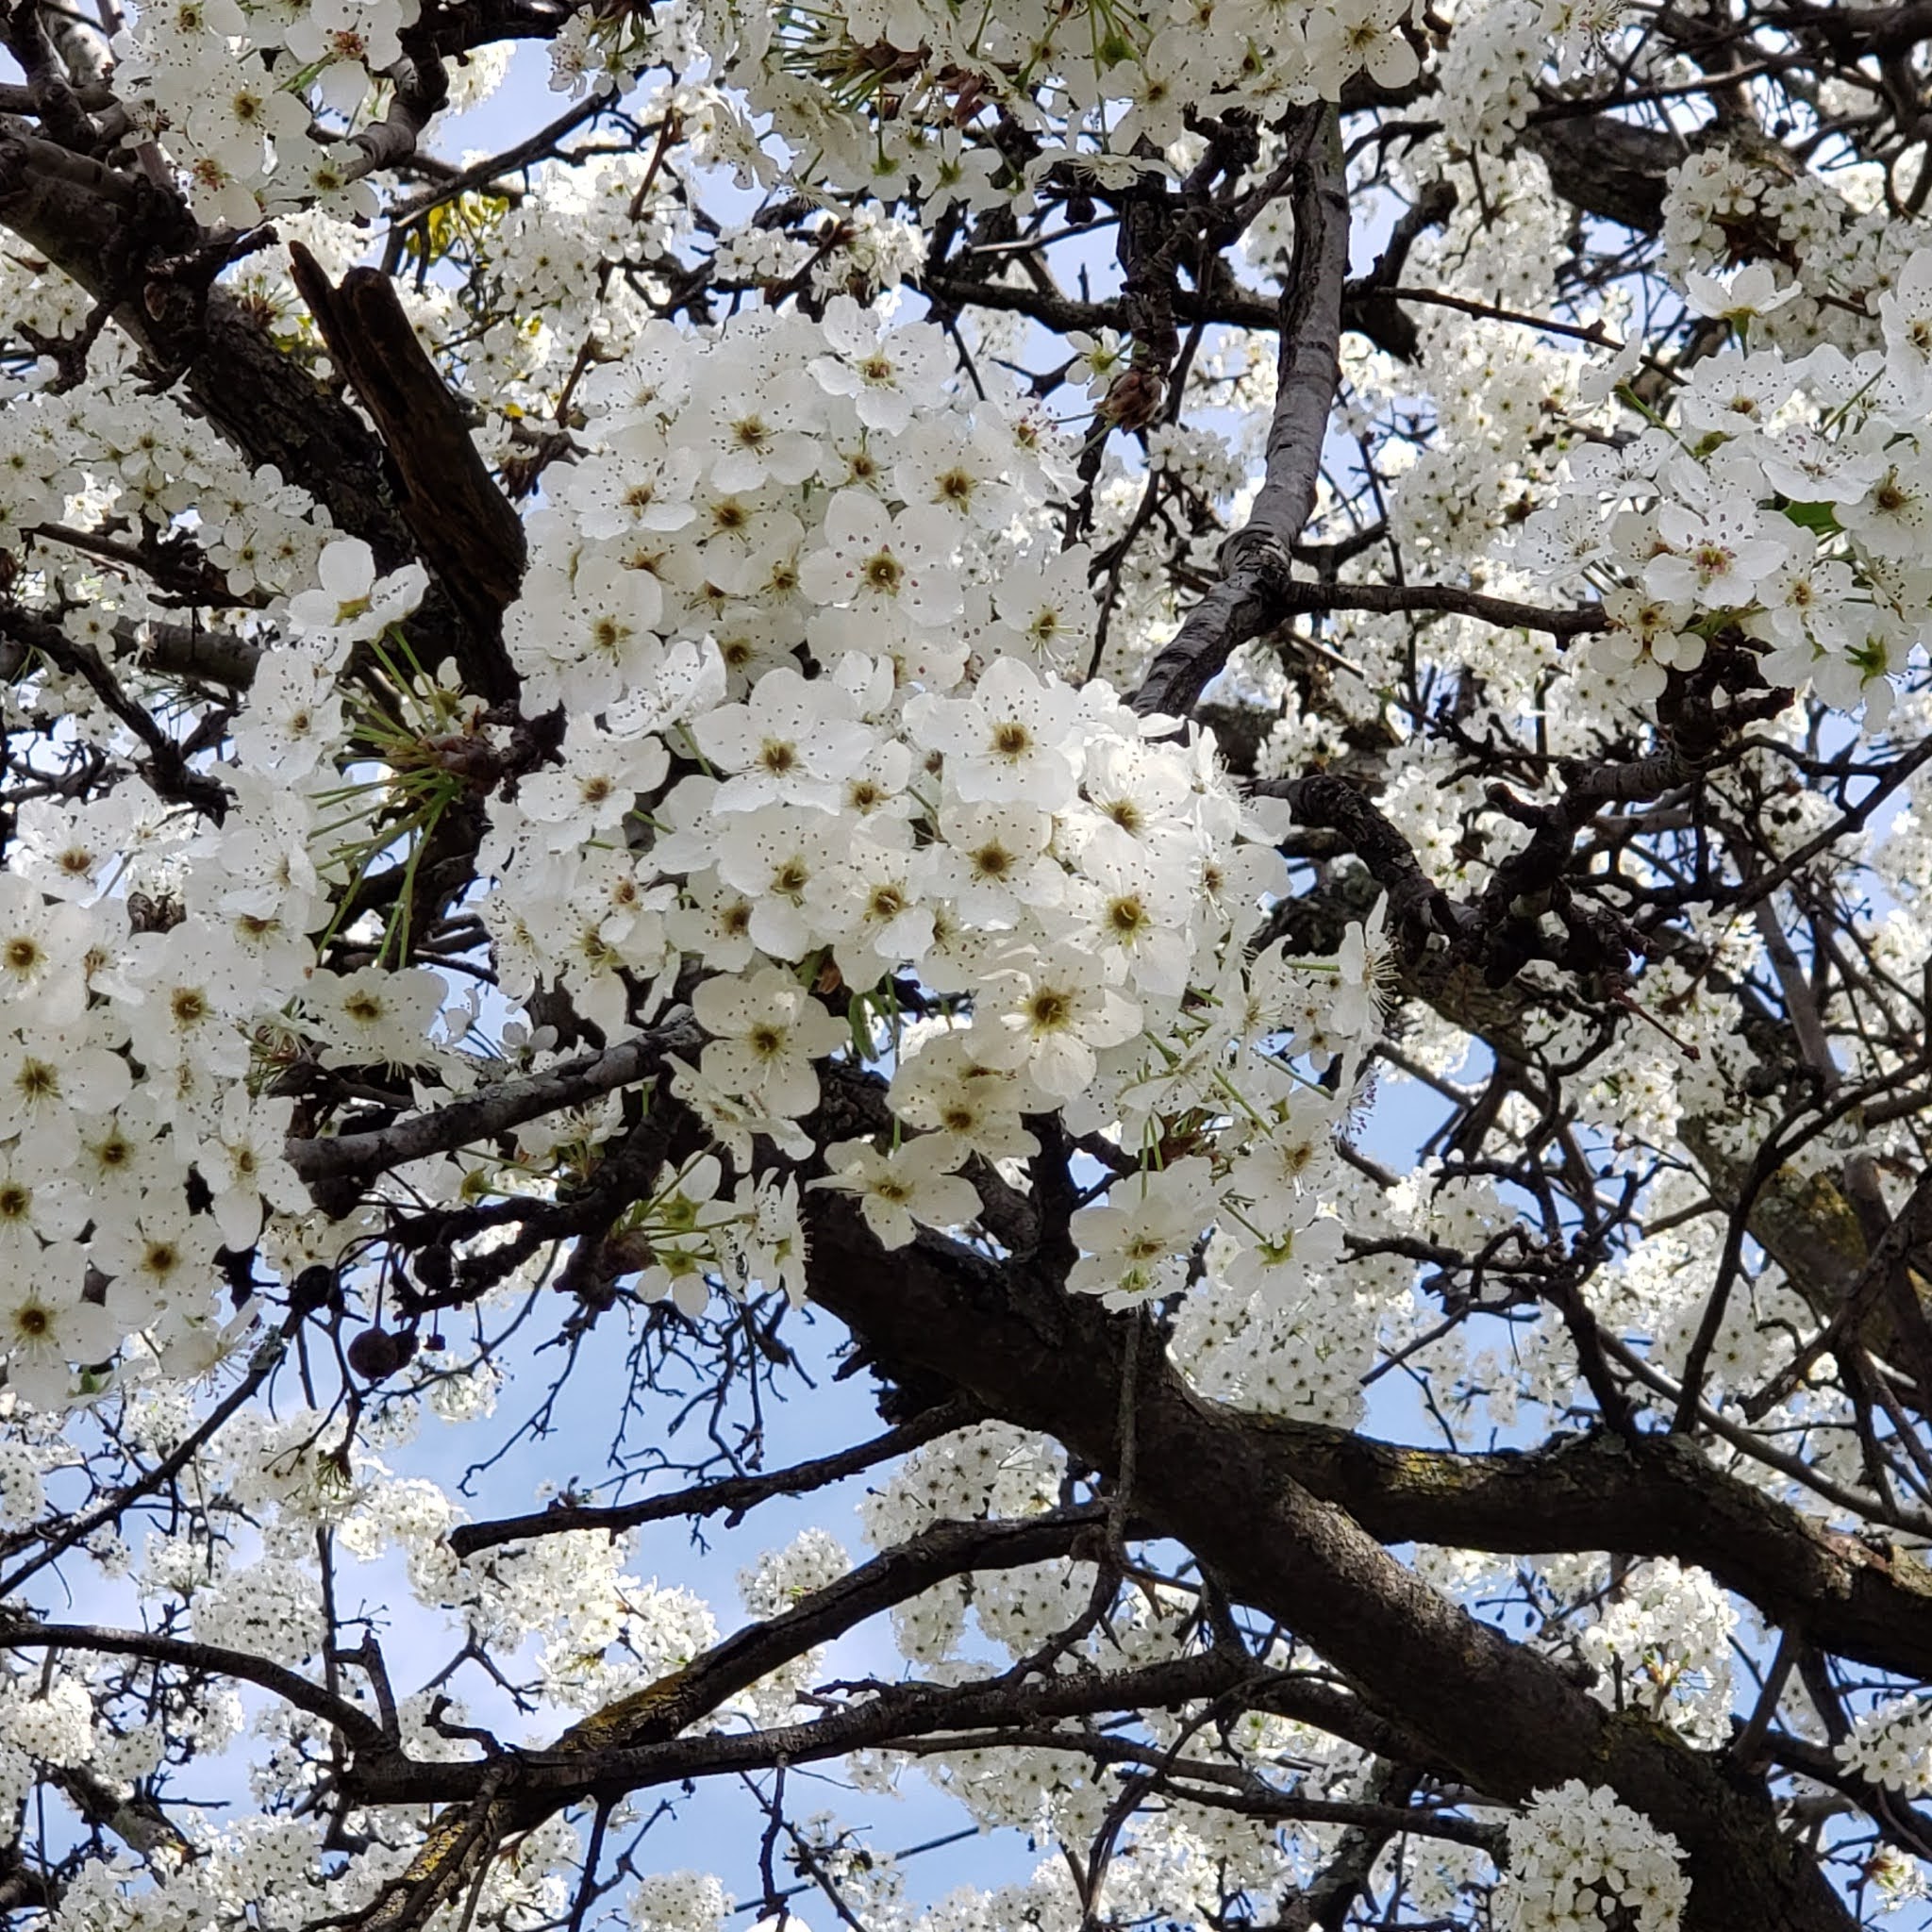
1579,1857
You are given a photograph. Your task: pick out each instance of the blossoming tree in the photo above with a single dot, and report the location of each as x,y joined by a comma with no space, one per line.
1199,728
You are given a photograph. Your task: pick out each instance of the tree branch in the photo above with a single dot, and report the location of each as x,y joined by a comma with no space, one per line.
483,1116
360,1729
467,529
1499,1715
733,1495
1255,561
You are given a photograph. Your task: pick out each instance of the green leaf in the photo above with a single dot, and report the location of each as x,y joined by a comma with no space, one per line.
1820,517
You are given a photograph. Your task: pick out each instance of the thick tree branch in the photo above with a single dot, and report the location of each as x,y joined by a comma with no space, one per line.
466,528
419,89
166,769
894,1576
549,1780
132,247
139,253
1303,597
627,1744
1609,167
210,1659
1657,1496
1417,905
1496,1713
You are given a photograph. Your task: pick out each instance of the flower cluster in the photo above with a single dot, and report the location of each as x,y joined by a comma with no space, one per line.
97,1168
241,94
1576,1856
679,1901
1891,1745
882,96
1795,515
1663,1644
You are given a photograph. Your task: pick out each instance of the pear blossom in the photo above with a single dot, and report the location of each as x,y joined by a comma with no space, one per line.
1011,741
1139,1244
353,603
884,567
371,1015
1576,1845
45,1327
1751,292
766,1032
792,742
598,781
942,1088
1716,556
1051,1017
900,1188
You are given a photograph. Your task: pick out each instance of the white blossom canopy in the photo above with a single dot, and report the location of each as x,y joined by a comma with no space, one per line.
1200,730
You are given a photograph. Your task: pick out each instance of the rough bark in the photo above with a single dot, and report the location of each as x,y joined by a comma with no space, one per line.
1608,168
